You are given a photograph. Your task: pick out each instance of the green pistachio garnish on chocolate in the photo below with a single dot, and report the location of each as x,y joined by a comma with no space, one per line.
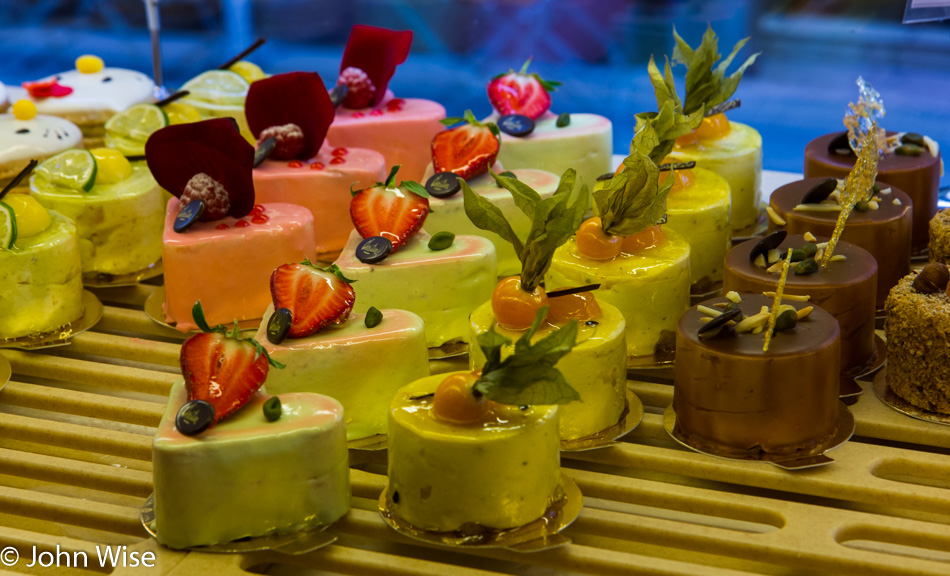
909,150
806,267
810,249
272,409
373,317
441,241
707,86
798,255
785,321
913,138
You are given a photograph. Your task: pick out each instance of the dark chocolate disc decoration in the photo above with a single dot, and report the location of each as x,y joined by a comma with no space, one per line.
338,94
840,145
279,325
263,150
194,417
770,242
719,326
517,125
188,215
820,191
374,249
443,185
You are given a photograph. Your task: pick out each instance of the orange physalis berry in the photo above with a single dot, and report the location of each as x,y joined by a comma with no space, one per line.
580,307
594,243
514,308
642,240
457,401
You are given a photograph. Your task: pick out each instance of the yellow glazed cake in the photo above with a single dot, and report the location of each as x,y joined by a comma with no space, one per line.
700,212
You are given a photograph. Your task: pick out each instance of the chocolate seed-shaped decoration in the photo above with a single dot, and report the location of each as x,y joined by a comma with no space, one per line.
373,249
563,119
443,185
719,326
279,325
517,125
770,242
820,191
338,94
840,145
932,279
263,150
194,417
188,215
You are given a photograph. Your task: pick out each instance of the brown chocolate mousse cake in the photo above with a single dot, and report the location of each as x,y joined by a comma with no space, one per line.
918,339
914,167
882,226
846,288
940,237
731,398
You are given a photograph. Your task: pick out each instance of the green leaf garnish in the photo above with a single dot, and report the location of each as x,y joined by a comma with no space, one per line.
527,377
415,188
391,179
199,315
451,120
670,122
525,197
706,85
352,191
487,216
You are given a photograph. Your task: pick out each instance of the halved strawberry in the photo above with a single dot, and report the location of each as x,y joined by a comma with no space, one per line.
316,297
395,213
467,150
521,93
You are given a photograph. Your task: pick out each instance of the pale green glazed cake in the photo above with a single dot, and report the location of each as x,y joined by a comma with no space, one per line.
700,212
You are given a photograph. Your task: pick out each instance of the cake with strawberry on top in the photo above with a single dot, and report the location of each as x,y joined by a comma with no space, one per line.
371,116
289,114
231,461
216,238
469,151
534,137
358,359
396,264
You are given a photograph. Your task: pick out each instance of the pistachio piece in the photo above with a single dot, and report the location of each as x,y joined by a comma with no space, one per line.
441,241
798,256
759,261
786,321
773,256
272,409
861,206
806,267
909,150
913,138
810,248
932,279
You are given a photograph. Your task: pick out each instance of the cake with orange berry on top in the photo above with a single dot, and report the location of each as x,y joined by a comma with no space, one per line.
596,367
731,149
289,114
642,267
479,451
218,246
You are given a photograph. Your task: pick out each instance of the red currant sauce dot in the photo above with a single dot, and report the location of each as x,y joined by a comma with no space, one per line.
340,152
338,160
295,164
376,112
221,226
358,115
317,166
259,219
242,224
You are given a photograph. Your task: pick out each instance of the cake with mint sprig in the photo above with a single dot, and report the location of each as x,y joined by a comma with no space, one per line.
731,149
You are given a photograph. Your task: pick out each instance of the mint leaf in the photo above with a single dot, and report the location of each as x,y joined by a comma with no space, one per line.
451,120
335,270
706,86
526,199
491,343
198,314
391,179
415,188
487,216
555,220
352,191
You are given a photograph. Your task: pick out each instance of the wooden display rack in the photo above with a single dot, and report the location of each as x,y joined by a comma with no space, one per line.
75,446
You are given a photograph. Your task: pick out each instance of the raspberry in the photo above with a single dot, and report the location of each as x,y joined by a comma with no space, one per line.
289,139
361,89
217,202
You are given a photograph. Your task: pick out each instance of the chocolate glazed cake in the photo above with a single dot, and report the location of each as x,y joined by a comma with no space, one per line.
883,228
918,176
731,398
847,290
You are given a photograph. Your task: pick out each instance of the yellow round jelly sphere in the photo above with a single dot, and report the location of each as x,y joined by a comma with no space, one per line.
24,110
111,166
89,64
31,217
248,70
179,113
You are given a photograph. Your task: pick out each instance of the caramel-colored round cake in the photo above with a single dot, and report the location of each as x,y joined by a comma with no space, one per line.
734,399
884,231
918,176
940,237
918,346
846,289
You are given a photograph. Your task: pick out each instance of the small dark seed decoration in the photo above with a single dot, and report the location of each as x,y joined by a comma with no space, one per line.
264,150
719,326
373,317
396,497
188,215
107,79
194,417
913,138
605,176
820,191
441,241
770,242
443,185
279,325
23,131
932,279
591,323
909,150
806,267
422,396
523,407
785,321
374,249
517,125
338,94
563,119
272,409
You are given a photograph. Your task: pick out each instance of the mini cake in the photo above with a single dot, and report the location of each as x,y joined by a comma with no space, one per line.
215,237
129,130
360,360
230,461
370,116
25,136
395,264
733,398
40,269
89,95
557,142
483,437
881,225
117,207
295,111
846,289
918,349
730,149
940,237
220,93
642,267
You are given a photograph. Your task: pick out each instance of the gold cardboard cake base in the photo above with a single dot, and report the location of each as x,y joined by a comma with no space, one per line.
6,372
850,388
155,309
92,313
103,280
292,543
817,457
373,443
542,534
629,419
895,402
450,349
755,230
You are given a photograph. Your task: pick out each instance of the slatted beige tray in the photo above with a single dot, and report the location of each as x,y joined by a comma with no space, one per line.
75,433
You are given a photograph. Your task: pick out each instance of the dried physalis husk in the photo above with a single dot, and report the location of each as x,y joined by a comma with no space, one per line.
932,279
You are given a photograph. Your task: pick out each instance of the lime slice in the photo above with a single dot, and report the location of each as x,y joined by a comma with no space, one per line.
138,122
248,70
218,87
7,226
126,146
75,169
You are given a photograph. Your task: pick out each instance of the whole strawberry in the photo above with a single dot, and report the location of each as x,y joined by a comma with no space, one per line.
468,150
315,297
393,212
521,93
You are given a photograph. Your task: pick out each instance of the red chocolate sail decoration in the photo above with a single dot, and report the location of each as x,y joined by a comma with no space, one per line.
376,51
214,147
298,98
